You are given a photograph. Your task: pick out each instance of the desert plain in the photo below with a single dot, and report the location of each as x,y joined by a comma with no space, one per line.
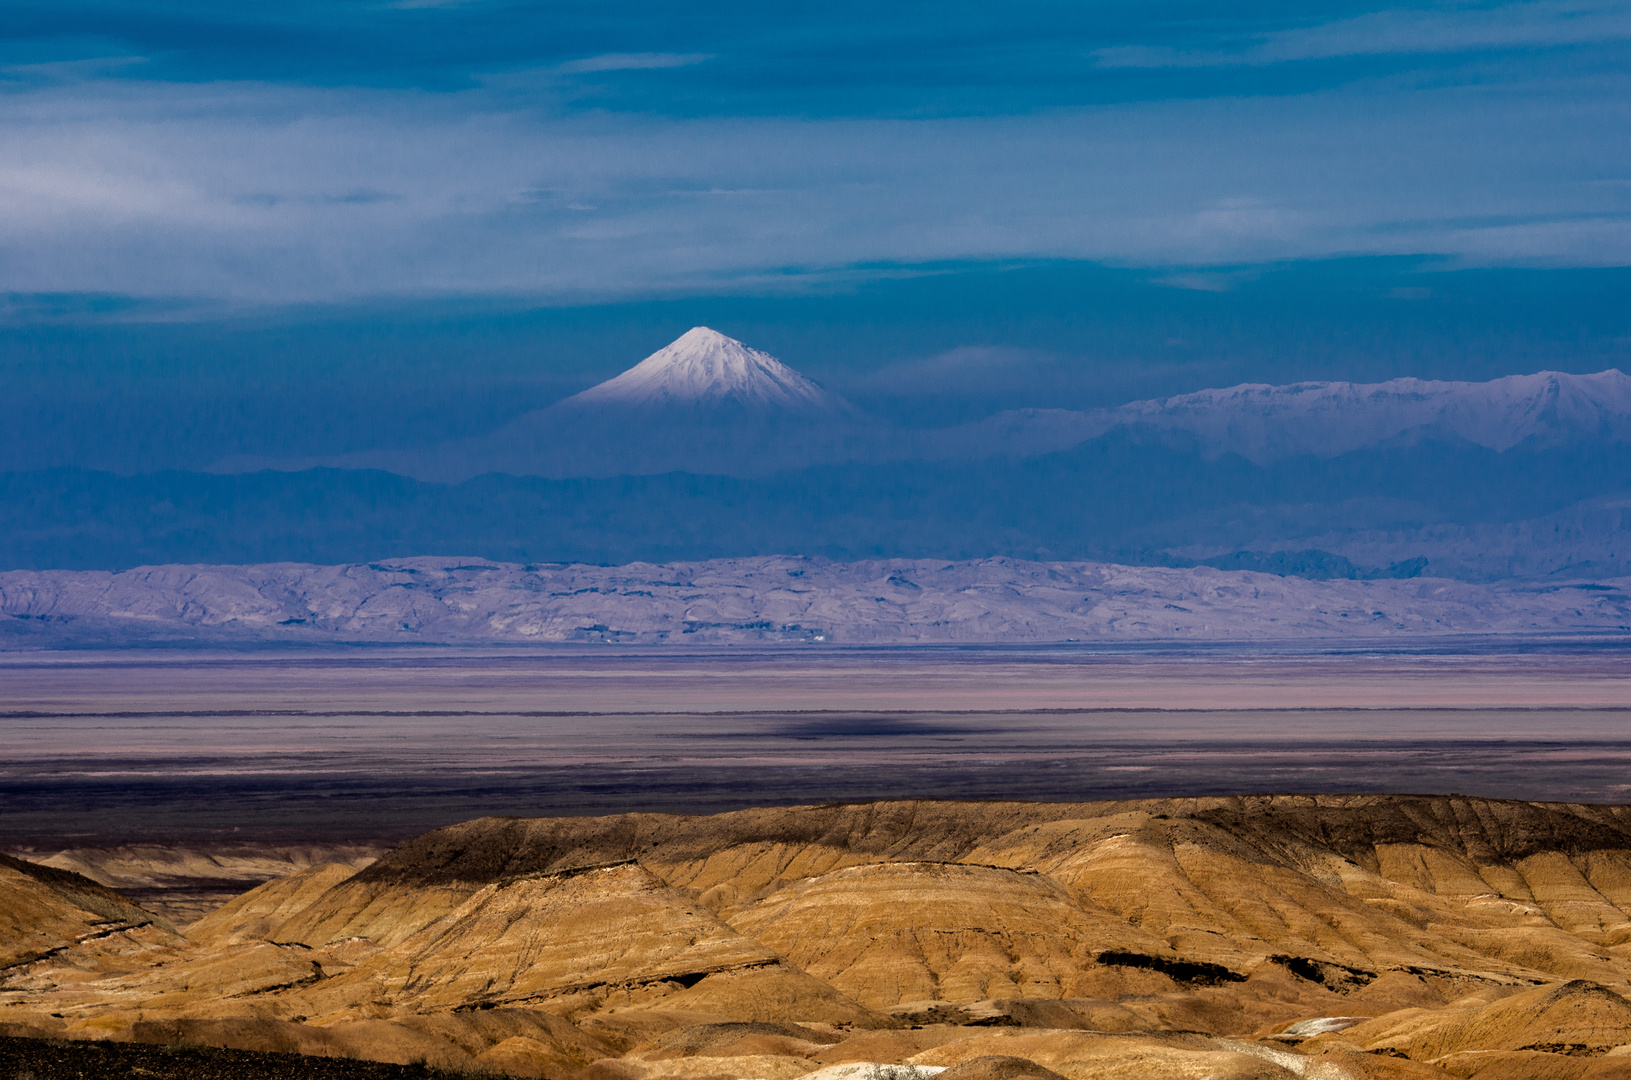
844,865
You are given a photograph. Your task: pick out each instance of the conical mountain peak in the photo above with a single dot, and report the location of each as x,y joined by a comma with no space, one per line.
704,367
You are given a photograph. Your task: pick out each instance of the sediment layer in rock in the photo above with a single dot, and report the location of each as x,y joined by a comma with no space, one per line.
1364,936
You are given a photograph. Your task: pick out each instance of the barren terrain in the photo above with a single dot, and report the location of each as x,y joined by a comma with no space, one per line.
1331,937
782,599
1007,864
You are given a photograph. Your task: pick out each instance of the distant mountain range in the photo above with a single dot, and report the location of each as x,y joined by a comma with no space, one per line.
708,404
1264,424
1268,423
710,449
773,599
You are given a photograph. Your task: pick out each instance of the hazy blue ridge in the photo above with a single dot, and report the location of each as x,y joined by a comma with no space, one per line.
1126,497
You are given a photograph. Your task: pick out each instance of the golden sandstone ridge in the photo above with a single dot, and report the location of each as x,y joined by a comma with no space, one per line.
1319,937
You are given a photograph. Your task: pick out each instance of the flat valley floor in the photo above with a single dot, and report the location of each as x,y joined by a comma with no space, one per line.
235,855
373,746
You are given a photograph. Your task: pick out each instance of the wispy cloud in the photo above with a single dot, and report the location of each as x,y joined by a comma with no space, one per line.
274,194
964,369
633,62
544,182
1199,282
1400,31
69,71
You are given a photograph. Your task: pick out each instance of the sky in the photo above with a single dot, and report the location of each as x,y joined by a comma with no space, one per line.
257,221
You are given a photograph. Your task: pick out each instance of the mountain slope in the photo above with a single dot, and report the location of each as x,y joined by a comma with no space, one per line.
709,404
574,936
1263,423
45,910
1344,937
705,403
704,368
709,449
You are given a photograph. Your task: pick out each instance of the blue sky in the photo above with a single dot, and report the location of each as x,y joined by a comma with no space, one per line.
266,154
246,225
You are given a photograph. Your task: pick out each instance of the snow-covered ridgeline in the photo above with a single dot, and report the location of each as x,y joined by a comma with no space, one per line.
1258,421
1263,422
776,598
707,403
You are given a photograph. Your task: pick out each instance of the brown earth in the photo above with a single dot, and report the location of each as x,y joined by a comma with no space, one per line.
44,911
185,883
1330,937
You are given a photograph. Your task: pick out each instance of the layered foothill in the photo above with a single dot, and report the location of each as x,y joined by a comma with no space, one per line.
182,883
44,910
1329,937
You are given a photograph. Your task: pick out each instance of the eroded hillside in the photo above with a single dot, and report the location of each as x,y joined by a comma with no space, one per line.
1366,936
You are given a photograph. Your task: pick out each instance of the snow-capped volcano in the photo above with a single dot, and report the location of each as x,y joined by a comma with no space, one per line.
704,367
708,404
705,403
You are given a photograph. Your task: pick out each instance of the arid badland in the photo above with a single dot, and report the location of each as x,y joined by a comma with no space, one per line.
1361,936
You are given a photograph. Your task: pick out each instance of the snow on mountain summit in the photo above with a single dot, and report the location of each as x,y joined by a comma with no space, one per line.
1262,422
704,367
708,404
